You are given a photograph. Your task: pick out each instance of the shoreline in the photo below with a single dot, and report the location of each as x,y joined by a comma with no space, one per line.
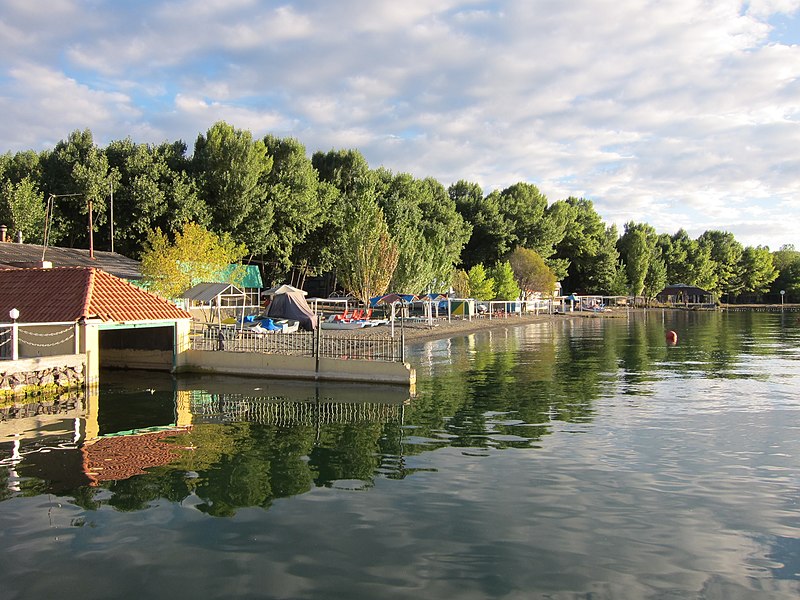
458,327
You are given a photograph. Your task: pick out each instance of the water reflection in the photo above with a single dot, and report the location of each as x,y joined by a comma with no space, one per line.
573,459
225,441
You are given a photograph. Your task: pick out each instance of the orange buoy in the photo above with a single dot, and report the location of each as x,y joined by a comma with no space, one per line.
672,337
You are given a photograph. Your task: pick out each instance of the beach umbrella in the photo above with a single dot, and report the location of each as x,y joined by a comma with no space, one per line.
393,300
390,299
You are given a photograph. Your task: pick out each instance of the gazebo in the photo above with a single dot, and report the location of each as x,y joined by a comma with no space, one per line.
680,293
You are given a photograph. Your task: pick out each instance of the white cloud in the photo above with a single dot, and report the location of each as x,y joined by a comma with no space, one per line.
51,105
658,111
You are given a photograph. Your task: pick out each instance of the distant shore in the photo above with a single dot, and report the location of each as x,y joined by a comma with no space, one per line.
456,327
442,329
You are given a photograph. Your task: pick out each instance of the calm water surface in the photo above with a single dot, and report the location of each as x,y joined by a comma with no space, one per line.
581,458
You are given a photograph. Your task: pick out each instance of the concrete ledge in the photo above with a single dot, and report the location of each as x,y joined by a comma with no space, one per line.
278,366
372,371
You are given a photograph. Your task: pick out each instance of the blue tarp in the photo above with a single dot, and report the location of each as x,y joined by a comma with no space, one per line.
268,324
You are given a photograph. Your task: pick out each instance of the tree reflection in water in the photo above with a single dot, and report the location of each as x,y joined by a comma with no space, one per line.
500,389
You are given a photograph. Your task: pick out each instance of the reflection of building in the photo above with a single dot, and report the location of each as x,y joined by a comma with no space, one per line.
72,441
120,457
125,428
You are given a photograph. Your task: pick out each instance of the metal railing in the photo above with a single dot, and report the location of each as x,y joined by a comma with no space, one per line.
315,344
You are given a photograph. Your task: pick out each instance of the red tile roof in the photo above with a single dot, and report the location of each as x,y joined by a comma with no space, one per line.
69,294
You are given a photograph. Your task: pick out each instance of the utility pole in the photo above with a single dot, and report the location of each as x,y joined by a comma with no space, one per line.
111,184
48,217
91,231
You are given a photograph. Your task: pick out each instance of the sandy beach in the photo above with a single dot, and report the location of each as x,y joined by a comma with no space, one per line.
443,329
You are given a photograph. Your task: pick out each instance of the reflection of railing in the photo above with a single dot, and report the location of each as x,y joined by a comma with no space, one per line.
360,346
279,411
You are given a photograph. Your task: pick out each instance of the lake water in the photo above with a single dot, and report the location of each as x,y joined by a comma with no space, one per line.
580,458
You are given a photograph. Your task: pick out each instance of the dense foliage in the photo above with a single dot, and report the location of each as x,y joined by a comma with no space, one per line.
195,256
298,215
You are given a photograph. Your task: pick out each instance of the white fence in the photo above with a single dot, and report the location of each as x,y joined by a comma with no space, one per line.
25,340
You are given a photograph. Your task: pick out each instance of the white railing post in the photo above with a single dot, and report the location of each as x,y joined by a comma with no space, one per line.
14,341
14,314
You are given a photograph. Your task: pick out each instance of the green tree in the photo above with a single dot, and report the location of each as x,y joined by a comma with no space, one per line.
150,194
196,255
492,234
505,286
636,247
22,165
317,253
619,284
677,251
367,254
346,170
398,196
758,269
535,224
531,272
429,232
787,262
726,254
296,205
444,229
75,173
22,210
230,168
656,278
480,284
587,248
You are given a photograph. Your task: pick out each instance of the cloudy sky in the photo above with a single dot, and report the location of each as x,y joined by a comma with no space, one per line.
680,113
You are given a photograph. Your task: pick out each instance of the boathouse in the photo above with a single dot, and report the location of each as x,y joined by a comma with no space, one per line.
88,315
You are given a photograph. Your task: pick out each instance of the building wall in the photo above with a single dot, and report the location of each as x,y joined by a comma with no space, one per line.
277,366
90,347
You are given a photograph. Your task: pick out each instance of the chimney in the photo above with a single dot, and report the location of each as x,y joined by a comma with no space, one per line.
3,231
19,237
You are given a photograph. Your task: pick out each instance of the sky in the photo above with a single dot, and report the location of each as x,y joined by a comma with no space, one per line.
678,113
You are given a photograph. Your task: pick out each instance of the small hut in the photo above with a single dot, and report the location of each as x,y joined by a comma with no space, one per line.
215,301
681,293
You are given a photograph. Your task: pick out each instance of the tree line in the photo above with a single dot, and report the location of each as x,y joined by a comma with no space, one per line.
378,230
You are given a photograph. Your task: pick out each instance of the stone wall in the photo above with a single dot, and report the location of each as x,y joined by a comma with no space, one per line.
36,375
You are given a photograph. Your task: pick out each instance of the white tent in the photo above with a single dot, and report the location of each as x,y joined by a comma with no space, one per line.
283,289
